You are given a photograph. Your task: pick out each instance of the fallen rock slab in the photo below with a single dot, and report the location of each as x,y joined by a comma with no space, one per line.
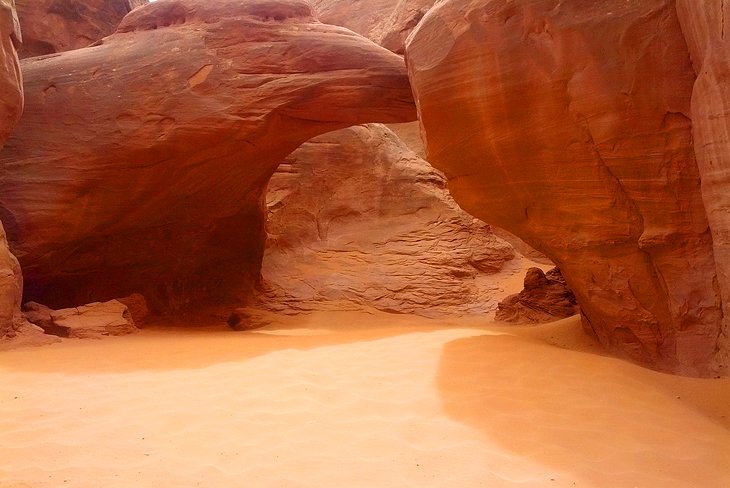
92,321
545,298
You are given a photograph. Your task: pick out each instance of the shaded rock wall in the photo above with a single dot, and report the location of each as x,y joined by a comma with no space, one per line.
53,26
569,124
355,215
118,181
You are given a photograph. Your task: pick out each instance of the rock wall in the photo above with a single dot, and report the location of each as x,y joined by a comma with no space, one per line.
356,216
703,24
11,84
140,164
53,26
569,124
11,105
386,22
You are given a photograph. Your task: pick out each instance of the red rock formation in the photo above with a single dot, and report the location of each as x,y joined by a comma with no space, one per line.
93,320
545,298
11,104
704,27
355,215
384,21
140,164
567,123
53,26
11,90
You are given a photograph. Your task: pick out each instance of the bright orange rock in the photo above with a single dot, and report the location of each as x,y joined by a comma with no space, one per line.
386,22
11,89
53,26
356,216
568,124
140,164
11,104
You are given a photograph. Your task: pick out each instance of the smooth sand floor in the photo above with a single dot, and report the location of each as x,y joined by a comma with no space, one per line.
355,399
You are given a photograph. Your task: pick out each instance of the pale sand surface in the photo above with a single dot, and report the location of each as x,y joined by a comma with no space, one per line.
355,399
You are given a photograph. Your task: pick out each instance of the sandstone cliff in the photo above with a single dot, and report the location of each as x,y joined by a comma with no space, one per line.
11,104
703,24
355,215
140,164
569,124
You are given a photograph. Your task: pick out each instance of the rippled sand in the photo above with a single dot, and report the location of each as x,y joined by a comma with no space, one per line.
356,399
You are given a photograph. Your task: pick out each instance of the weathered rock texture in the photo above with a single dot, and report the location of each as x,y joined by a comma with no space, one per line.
568,124
704,27
53,26
386,22
140,164
355,215
11,85
545,298
11,290
11,104
88,321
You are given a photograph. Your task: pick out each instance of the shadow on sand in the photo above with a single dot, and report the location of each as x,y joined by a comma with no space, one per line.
606,422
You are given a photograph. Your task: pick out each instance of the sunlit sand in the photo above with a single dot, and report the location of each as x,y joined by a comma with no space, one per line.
355,399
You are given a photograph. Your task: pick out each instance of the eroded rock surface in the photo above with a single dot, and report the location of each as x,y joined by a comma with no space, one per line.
568,124
356,216
93,320
11,85
704,27
53,26
386,22
140,164
11,105
545,298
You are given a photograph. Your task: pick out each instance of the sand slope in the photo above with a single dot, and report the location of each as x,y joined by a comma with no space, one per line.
357,399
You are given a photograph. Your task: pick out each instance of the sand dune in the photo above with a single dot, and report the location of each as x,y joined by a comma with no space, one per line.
355,399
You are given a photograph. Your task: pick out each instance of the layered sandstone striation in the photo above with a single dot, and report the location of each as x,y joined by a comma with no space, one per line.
52,26
704,27
569,124
356,216
140,164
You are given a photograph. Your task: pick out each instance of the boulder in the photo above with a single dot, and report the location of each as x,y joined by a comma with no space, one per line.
92,321
356,216
545,298
53,26
569,125
141,163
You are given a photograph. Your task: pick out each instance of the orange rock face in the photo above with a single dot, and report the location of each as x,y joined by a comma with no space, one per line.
140,164
384,21
11,89
11,104
703,24
53,26
356,216
569,125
